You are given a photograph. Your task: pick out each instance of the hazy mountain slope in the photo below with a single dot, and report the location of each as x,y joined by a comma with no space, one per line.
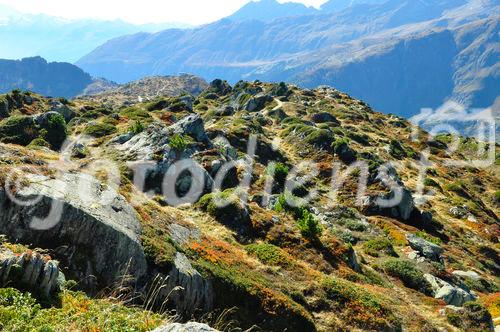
268,10
399,55
58,39
234,48
340,5
403,74
57,79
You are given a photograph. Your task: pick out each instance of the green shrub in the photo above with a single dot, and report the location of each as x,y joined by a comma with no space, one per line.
308,225
135,114
137,127
233,213
280,173
458,188
268,254
472,317
19,130
409,273
156,105
179,143
320,138
497,196
379,245
39,143
360,307
396,150
428,182
100,130
56,131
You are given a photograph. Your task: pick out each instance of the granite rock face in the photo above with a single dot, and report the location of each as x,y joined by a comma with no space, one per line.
186,288
427,249
451,294
95,231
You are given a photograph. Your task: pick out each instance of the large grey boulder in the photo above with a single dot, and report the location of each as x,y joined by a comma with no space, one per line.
258,102
188,327
398,203
94,230
64,110
186,288
450,294
151,155
427,249
31,271
191,125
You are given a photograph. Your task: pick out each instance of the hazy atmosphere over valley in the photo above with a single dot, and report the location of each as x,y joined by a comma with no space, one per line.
249,165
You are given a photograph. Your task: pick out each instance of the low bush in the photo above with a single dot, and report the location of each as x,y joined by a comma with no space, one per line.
472,317
360,307
137,127
55,131
100,130
39,143
308,225
268,254
135,114
19,130
320,138
428,182
396,150
409,273
179,143
379,245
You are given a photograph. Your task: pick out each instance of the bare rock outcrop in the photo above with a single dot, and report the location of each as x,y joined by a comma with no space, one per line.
31,271
94,231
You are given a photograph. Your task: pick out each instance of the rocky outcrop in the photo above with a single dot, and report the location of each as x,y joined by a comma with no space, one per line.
403,206
186,288
30,271
425,248
191,125
258,102
188,327
451,294
64,110
94,231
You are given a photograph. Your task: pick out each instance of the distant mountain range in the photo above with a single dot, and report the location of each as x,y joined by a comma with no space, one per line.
61,79
57,79
268,10
398,55
57,39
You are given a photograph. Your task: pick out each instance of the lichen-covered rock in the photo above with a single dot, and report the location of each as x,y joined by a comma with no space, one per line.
95,231
427,249
191,125
188,327
30,271
451,294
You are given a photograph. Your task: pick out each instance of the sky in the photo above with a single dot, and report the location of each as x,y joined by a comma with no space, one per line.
138,11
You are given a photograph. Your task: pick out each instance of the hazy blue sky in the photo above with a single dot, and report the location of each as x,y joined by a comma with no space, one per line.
138,11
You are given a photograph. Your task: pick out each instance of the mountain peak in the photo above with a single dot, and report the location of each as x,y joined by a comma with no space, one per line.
268,10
